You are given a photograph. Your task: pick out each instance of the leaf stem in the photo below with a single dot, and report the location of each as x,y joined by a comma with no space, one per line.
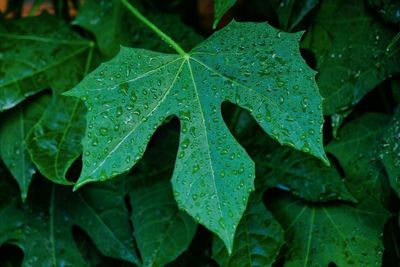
160,33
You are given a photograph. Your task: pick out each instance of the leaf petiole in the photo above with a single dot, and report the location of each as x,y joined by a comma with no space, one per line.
160,33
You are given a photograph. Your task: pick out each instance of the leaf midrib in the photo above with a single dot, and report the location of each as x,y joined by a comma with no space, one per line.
101,222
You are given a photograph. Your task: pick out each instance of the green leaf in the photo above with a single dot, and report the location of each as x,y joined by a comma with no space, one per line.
289,170
343,234
54,142
113,27
357,149
291,13
350,65
131,95
391,152
162,231
220,8
14,127
301,175
258,239
34,54
42,227
104,19
38,56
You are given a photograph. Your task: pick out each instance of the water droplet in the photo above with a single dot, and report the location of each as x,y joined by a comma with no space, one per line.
103,131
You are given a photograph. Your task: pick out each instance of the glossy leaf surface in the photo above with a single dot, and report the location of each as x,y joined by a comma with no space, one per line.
55,140
130,96
342,234
350,65
34,54
357,151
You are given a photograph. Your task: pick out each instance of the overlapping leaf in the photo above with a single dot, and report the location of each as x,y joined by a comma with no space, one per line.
342,234
287,169
54,142
350,65
14,128
130,96
258,238
292,12
391,152
44,52
300,174
357,151
42,227
34,54
220,8
162,231
113,26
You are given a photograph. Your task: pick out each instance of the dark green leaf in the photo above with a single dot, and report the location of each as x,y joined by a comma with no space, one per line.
104,19
35,53
391,152
343,234
42,227
131,95
220,8
15,126
357,150
113,26
350,65
301,175
162,231
258,239
292,12
55,141
388,9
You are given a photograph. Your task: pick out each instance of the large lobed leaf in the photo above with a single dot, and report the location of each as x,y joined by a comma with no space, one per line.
130,96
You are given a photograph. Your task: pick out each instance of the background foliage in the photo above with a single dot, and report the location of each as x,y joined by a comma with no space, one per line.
207,150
